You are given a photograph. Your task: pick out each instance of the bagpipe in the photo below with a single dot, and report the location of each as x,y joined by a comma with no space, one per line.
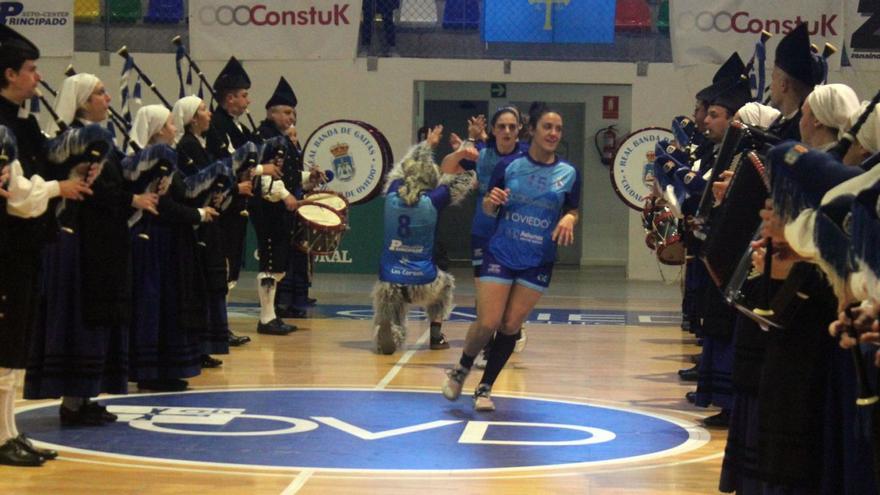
145,170
80,152
213,185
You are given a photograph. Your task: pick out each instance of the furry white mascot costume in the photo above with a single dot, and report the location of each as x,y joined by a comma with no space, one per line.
415,193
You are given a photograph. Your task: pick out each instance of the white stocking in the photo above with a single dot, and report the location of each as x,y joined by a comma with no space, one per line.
7,405
267,295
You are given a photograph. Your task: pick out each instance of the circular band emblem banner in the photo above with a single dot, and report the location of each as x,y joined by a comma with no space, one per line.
355,156
365,430
632,172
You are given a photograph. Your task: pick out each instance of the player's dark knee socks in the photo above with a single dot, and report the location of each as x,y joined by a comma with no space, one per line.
502,348
435,329
466,362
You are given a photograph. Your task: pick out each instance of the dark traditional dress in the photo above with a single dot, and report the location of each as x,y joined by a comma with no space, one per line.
80,344
169,311
193,158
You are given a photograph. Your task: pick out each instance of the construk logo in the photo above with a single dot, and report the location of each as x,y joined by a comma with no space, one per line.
744,22
261,15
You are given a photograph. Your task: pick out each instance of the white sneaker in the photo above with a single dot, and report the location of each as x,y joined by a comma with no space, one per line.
483,399
521,342
454,382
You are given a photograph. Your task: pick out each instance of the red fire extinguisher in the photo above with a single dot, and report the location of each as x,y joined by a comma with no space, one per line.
609,144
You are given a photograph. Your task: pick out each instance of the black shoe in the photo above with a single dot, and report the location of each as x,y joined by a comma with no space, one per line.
26,444
286,326
101,411
289,312
209,362
311,301
274,327
13,454
687,370
80,417
694,358
688,375
720,420
238,340
691,397
439,343
168,385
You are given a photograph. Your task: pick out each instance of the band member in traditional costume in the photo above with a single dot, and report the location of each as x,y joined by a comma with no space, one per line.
24,197
170,303
80,345
208,184
793,403
270,212
293,289
225,136
696,277
796,70
536,198
415,193
716,362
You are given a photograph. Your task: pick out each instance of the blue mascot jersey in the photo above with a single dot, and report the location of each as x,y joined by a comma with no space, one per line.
408,249
539,193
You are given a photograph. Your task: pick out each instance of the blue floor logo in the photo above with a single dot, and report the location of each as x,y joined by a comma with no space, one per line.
356,429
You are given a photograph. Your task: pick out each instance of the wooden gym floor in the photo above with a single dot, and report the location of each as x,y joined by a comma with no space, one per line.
629,366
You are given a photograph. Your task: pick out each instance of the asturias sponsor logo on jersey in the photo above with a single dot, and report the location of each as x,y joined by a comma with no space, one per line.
400,247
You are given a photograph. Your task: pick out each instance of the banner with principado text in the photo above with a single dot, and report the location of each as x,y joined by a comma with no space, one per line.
274,29
47,23
708,31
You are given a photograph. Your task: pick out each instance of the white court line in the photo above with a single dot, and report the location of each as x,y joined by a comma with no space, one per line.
401,362
300,481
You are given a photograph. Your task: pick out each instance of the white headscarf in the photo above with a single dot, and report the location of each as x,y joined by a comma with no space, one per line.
869,134
754,113
74,93
833,104
149,120
183,112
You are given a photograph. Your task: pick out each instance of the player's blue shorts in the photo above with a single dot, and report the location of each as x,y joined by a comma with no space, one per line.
537,278
478,246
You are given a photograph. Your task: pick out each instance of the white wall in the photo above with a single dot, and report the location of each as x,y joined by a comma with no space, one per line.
330,90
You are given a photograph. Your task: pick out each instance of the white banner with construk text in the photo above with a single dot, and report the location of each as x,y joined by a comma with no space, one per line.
274,29
708,31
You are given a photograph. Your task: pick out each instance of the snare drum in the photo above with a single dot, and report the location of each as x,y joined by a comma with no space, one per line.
332,200
319,230
667,236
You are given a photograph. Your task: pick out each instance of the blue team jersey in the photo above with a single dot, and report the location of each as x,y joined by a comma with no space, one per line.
539,194
483,224
408,249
